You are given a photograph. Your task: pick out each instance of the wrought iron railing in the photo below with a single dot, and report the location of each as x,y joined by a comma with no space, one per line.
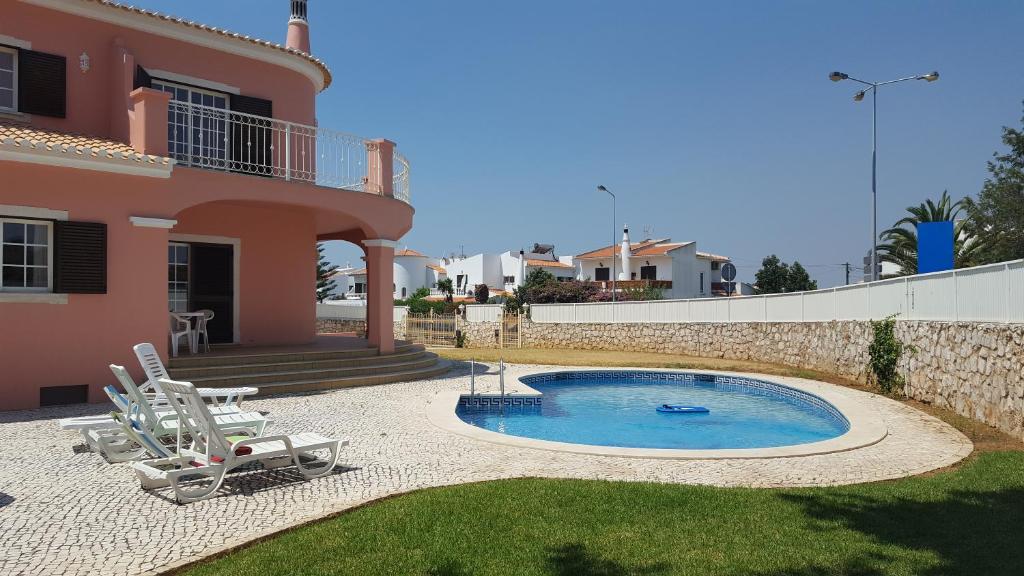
218,139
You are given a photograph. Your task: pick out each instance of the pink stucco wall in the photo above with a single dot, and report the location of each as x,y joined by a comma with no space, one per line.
277,223
55,32
277,260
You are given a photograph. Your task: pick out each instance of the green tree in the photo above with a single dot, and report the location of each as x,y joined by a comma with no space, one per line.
446,288
535,280
324,269
899,243
798,280
998,214
772,277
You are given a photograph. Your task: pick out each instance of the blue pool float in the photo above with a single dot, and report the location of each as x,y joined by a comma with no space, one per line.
677,409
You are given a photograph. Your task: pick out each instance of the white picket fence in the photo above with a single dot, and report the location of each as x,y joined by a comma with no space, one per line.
992,293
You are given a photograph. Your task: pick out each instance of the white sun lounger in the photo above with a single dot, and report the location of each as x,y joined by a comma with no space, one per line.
154,368
213,453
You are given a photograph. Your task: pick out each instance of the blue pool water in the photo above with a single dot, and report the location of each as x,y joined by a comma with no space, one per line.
618,409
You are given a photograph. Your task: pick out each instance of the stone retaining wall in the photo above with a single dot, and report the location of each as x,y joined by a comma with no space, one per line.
974,369
331,325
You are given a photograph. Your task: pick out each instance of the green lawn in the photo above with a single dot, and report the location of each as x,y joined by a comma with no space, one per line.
966,521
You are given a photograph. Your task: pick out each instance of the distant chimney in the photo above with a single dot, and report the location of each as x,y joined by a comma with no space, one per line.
298,27
624,254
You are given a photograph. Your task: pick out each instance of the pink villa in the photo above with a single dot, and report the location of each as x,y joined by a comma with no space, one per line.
150,164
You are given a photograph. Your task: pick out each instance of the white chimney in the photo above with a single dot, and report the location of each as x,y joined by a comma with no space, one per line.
625,253
522,269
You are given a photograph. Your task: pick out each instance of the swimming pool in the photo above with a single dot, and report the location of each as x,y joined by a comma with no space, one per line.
618,408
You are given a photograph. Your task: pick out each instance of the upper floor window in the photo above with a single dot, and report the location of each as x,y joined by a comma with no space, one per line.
510,279
714,265
648,272
26,261
8,79
197,125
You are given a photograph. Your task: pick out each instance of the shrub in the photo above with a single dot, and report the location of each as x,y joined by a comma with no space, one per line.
460,339
885,352
481,293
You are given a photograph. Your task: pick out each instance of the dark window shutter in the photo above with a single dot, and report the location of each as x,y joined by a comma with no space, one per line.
80,258
251,139
42,83
142,78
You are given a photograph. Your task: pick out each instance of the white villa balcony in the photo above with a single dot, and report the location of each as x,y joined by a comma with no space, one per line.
219,139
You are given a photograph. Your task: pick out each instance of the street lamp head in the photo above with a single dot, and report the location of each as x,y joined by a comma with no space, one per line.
858,96
602,189
837,76
931,76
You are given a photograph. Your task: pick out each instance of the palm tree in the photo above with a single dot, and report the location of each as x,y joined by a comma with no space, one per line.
899,243
446,288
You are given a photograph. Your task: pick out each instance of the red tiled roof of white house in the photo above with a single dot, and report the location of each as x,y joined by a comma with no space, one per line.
649,247
547,263
436,268
408,252
607,251
241,38
659,249
714,257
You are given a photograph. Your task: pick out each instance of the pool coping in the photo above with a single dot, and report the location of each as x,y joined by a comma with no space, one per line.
866,428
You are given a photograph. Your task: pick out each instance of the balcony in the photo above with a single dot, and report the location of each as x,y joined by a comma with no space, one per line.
218,139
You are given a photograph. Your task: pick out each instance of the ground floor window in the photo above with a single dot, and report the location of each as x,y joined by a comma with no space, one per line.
177,277
648,272
26,260
510,279
602,274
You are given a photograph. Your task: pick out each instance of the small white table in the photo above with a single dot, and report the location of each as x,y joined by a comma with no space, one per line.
193,335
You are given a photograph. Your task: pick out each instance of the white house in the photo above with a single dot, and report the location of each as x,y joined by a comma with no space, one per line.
412,271
676,267
503,272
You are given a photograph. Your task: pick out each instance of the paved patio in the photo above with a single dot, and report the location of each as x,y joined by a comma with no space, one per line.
66,511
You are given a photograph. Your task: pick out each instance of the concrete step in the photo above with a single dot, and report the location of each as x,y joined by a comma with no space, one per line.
274,375
439,367
259,366
251,356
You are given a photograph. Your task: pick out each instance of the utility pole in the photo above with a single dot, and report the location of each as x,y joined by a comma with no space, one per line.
847,266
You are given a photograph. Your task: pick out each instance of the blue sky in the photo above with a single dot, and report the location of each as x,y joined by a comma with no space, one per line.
711,121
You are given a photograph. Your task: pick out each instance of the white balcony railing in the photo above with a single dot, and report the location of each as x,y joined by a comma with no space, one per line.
218,139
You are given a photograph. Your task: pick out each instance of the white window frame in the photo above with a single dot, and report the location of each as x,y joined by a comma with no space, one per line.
14,86
200,159
188,267
49,257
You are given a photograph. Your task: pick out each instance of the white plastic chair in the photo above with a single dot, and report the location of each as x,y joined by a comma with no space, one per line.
180,328
154,368
201,332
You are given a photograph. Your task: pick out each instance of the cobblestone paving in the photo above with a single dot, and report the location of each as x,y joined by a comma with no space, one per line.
66,511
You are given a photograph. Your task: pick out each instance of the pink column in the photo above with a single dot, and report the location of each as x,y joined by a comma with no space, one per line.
149,121
380,277
380,167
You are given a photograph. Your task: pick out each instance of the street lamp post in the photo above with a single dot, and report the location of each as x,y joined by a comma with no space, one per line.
603,189
873,87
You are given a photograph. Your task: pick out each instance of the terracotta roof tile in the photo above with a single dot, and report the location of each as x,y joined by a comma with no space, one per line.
658,249
407,252
220,31
76,145
547,263
607,251
437,268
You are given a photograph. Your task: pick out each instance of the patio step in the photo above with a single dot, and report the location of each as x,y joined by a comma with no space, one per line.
384,377
253,356
262,366
278,373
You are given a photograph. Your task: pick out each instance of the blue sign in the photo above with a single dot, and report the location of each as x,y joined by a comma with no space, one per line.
934,247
